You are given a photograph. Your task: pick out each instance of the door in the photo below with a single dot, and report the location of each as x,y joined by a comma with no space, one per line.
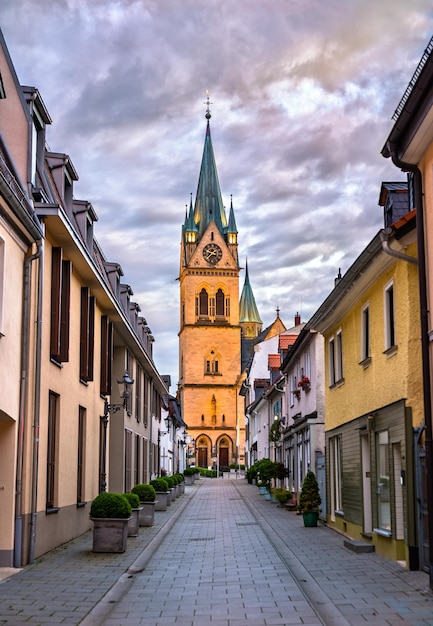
421,496
224,459
321,479
202,456
366,484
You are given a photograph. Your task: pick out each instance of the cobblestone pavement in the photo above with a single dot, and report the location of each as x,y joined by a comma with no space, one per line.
221,555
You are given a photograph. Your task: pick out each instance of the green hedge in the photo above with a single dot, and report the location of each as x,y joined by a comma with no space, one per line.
145,492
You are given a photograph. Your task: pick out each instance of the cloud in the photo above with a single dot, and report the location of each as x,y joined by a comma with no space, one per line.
302,96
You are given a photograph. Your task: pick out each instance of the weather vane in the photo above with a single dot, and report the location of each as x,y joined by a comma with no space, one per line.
207,103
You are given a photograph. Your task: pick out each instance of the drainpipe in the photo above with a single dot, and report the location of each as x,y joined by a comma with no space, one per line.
385,236
36,412
22,426
422,273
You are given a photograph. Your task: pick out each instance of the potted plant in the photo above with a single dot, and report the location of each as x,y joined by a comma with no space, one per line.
161,488
266,472
310,500
281,496
171,487
110,513
147,496
134,521
181,482
189,472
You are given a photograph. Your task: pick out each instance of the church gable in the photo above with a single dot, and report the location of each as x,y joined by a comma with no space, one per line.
212,251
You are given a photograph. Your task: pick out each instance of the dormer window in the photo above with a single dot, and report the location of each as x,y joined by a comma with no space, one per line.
2,89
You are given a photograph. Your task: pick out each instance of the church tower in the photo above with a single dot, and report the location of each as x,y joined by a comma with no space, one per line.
210,333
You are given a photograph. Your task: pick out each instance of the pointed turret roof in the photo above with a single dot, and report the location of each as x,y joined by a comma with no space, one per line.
248,311
208,202
231,228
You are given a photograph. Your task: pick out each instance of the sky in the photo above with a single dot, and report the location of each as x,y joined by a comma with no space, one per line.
302,93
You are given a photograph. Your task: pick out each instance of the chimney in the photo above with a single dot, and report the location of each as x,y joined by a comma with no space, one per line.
297,319
337,280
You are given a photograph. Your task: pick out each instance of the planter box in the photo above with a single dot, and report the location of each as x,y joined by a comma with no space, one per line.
173,493
189,480
182,488
161,502
134,523
109,534
147,513
310,519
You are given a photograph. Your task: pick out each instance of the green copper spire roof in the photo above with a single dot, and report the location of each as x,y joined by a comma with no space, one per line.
248,311
231,228
208,202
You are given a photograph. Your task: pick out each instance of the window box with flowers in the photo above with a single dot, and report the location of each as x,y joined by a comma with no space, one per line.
304,383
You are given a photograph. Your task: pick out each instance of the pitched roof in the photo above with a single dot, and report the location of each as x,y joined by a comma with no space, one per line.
274,361
285,341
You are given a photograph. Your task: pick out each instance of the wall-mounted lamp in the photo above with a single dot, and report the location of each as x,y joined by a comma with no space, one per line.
124,383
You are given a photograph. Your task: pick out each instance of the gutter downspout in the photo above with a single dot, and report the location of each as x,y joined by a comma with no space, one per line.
37,412
422,273
22,419
385,236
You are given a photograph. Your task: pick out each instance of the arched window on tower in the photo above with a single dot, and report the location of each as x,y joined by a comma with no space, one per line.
212,364
220,302
203,303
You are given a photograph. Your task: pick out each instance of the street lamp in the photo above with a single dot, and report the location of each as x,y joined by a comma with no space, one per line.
124,383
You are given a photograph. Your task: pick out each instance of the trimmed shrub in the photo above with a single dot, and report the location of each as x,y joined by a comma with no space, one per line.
146,493
159,484
133,499
113,505
309,498
170,481
180,477
189,471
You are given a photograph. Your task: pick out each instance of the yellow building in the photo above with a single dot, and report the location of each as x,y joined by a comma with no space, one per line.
410,146
210,331
374,399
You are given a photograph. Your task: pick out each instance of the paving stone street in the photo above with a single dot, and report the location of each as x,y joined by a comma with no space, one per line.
221,555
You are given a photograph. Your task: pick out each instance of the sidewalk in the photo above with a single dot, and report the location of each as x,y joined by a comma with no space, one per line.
221,555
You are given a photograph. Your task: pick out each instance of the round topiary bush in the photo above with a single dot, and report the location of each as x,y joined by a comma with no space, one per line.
170,481
133,499
180,477
159,484
189,471
146,493
113,505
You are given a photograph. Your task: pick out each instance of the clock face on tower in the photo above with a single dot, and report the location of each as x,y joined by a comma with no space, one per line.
212,253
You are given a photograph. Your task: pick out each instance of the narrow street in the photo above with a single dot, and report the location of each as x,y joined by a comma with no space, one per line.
220,555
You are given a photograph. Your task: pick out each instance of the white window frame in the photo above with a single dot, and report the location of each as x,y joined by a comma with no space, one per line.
335,347
389,317
365,333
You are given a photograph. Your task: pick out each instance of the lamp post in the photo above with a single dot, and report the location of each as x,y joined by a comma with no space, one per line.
160,432
126,381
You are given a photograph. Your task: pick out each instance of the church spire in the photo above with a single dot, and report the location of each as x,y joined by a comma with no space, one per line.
249,317
208,203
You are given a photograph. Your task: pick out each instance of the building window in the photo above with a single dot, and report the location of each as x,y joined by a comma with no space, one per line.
2,285
52,450
383,481
294,391
128,461
336,358
212,364
203,303
81,454
138,392
389,317
220,302
87,334
365,333
138,467
106,355
335,476
60,306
